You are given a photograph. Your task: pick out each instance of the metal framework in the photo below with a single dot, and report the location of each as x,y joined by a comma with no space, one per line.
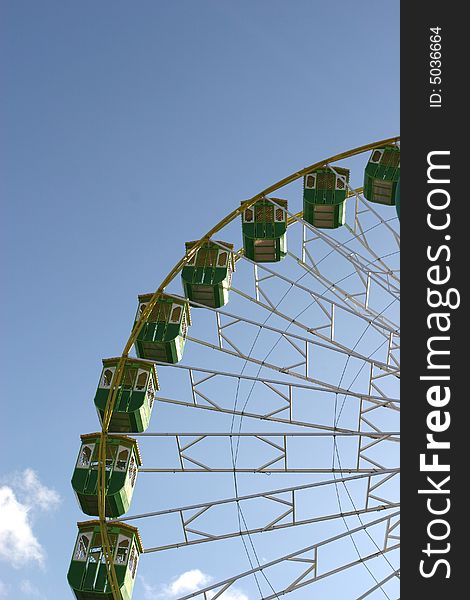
279,461
309,555
372,393
286,501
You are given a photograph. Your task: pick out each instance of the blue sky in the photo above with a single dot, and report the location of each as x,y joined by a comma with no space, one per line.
127,129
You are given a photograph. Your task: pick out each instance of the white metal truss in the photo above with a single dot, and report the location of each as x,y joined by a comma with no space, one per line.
358,301
286,500
309,555
337,296
289,370
392,531
379,584
280,459
355,303
282,398
389,331
368,420
373,269
226,319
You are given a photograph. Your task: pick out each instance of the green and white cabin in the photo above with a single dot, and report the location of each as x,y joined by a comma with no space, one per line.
87,575
382,174
163,335
264,227
135,396
122,463
207,276
325,193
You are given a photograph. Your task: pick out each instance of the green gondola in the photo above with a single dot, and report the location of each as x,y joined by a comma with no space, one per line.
325,194
87,575
208,275
264,227
382,174
163,335
122,463
135,396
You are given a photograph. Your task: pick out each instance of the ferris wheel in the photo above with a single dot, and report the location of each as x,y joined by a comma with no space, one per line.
258,421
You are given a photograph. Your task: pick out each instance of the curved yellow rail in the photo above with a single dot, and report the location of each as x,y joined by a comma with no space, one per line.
118,374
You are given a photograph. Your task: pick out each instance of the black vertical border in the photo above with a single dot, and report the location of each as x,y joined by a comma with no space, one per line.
425,129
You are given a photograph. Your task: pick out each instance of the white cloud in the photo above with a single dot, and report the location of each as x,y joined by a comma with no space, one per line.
234,594
186,583
37,494
18,544
3,589
150,591
19,500
28,589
